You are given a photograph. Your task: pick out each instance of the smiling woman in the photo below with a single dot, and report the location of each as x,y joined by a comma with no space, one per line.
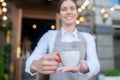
44,57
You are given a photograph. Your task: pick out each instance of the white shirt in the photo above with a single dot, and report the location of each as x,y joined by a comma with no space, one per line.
46,43
69,37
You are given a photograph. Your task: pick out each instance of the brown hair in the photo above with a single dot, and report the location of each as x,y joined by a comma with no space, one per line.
60,2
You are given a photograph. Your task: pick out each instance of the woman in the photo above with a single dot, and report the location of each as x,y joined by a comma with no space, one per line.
43,57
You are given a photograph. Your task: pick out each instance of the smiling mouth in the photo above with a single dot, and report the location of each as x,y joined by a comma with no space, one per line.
69,18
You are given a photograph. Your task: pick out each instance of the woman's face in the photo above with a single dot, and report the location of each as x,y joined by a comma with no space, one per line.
68,12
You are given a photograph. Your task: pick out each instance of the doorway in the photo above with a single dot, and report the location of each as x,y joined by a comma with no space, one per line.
32,31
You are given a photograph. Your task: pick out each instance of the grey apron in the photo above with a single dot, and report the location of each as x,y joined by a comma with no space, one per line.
65,46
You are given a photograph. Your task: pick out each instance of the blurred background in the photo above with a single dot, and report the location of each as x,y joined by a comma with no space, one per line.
23,22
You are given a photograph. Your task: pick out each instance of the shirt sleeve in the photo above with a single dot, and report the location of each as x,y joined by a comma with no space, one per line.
92,58
39,51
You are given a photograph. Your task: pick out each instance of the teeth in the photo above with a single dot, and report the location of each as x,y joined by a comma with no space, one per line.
69,17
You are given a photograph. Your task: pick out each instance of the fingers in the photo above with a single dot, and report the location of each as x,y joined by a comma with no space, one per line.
47,69
50,57
53,56
49,60
50,68
61,69
64,69
48,72
82,67
49,63
68,69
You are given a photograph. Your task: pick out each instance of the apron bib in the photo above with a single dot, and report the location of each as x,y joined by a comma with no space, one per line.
65,46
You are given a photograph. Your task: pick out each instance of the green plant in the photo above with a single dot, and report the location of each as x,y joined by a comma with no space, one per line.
7,57
112,72
6,26
1,64
7,48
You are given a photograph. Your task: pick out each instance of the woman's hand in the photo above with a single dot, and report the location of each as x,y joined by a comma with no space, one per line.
82,67
45,65
68,69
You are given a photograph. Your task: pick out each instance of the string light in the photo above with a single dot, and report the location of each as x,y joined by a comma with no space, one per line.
4,18
79,10
106,15
34,26
77,22
4,4
112,9
84,5
3,10
1,0
82,19
52,26
102,10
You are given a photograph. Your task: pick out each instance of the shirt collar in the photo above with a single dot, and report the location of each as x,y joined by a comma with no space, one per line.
74,32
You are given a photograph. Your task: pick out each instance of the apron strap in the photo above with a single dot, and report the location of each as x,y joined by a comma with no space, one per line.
84,43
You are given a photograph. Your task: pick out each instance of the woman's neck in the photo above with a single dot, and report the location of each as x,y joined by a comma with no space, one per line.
69,28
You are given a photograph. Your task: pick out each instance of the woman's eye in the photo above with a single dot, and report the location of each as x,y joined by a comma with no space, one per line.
63,9
72,8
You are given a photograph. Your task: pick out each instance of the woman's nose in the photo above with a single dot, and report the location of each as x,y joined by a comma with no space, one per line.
68,11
